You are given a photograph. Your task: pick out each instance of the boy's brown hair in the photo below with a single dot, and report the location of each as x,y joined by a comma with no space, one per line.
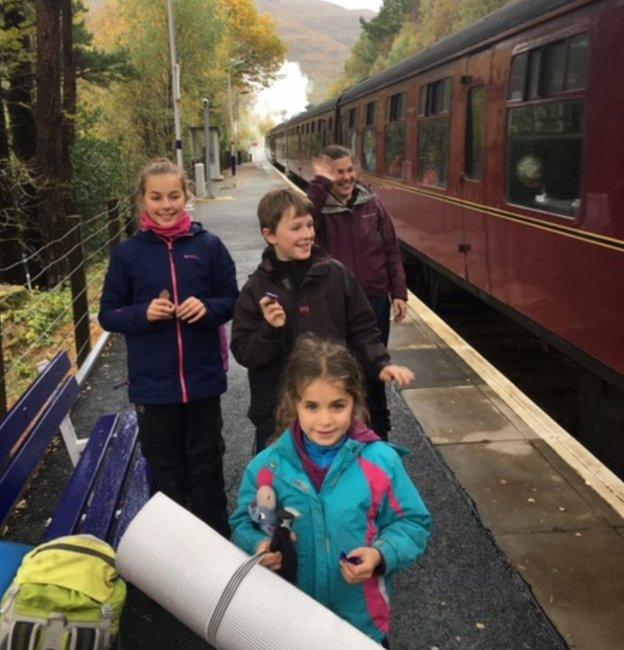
274,205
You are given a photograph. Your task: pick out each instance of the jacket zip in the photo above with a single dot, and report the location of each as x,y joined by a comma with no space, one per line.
174,285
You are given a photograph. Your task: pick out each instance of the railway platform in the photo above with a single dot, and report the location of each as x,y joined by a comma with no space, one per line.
554,511
527,546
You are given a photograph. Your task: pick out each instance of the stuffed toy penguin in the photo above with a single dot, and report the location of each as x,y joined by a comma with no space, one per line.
276,524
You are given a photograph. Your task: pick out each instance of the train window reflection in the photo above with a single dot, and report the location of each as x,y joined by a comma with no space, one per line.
369,140
474,132
395,149
577,62
549,70
433,151
395,136
554,62
544,156
517,77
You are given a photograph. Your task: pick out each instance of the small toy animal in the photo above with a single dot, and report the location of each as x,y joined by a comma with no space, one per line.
277,525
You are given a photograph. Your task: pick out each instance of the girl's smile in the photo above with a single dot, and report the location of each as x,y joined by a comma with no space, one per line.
164,199
325,411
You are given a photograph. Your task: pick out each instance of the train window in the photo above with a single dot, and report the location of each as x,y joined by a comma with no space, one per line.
535,63
544,156
433,137
553,68
550,70
369,139
435,98
395,107
370,114
348,129
474,132
517,77
395,136
576,75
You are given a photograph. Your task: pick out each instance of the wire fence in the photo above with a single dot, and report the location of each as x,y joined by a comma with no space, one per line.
35,323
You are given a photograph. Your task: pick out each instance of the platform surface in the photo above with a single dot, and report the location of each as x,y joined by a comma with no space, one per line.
523,553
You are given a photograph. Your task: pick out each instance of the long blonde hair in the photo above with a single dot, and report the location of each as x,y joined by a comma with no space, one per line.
315,358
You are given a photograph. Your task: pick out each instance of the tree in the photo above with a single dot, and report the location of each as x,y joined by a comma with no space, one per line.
49,164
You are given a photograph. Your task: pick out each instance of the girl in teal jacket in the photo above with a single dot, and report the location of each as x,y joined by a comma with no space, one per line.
360,517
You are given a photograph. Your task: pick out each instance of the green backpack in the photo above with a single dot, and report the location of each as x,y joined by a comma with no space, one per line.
67,595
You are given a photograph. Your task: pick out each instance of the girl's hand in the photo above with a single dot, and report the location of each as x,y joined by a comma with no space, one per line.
273,312
191,310
324,166
400,375
160,309
271,561
370,558
399,308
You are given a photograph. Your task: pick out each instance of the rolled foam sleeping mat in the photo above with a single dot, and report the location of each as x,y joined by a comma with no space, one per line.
221,593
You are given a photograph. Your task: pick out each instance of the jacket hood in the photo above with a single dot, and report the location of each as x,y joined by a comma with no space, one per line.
333,205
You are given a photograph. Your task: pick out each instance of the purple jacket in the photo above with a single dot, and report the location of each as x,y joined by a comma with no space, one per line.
361,236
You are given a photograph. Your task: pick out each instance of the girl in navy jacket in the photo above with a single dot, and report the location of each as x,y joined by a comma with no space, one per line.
168,289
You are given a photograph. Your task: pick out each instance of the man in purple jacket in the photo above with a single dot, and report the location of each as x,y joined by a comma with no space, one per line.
354,227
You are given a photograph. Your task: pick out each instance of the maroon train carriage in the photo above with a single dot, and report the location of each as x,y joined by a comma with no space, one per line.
499,152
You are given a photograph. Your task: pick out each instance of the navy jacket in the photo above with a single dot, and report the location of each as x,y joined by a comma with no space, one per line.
170,361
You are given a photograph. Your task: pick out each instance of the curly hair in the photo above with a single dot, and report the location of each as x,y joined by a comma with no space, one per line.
315,358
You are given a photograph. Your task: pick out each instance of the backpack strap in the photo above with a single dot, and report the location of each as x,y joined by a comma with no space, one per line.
76,549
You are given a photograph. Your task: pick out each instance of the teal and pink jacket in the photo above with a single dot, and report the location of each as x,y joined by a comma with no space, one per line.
366,498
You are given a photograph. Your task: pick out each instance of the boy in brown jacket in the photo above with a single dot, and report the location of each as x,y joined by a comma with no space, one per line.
298,288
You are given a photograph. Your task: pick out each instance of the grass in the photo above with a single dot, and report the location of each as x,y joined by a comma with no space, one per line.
38,324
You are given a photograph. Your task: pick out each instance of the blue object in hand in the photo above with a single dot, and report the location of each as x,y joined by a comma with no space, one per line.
351,560
272,296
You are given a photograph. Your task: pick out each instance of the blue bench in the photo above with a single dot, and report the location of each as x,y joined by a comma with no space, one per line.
109,483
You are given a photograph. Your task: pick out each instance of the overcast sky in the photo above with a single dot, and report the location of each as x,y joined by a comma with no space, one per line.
373,5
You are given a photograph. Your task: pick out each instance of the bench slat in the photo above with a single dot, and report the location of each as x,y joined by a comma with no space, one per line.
102,510
15,477
29,404
137,494
67,516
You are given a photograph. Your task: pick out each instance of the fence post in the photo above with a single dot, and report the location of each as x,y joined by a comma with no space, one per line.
80,300
114,223
3,395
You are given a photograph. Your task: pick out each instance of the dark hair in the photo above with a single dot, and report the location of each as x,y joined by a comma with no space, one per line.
274,204
315,358
337,151
161,166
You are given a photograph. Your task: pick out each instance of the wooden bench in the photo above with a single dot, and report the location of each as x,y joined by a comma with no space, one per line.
109,483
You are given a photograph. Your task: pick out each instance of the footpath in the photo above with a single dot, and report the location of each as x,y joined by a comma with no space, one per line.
463,594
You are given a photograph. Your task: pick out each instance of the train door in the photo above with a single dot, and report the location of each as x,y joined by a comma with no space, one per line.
472,190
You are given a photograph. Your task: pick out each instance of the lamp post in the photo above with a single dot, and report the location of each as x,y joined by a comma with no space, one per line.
231,65
175,83
207,145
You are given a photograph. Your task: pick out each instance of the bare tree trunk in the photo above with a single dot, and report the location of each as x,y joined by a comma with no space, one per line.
49,161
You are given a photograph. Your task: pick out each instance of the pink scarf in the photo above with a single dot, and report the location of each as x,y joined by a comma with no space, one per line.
180,227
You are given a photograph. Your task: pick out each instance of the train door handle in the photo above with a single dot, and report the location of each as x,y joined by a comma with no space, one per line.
464,248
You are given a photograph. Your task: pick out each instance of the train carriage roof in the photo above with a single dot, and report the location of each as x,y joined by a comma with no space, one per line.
487,28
